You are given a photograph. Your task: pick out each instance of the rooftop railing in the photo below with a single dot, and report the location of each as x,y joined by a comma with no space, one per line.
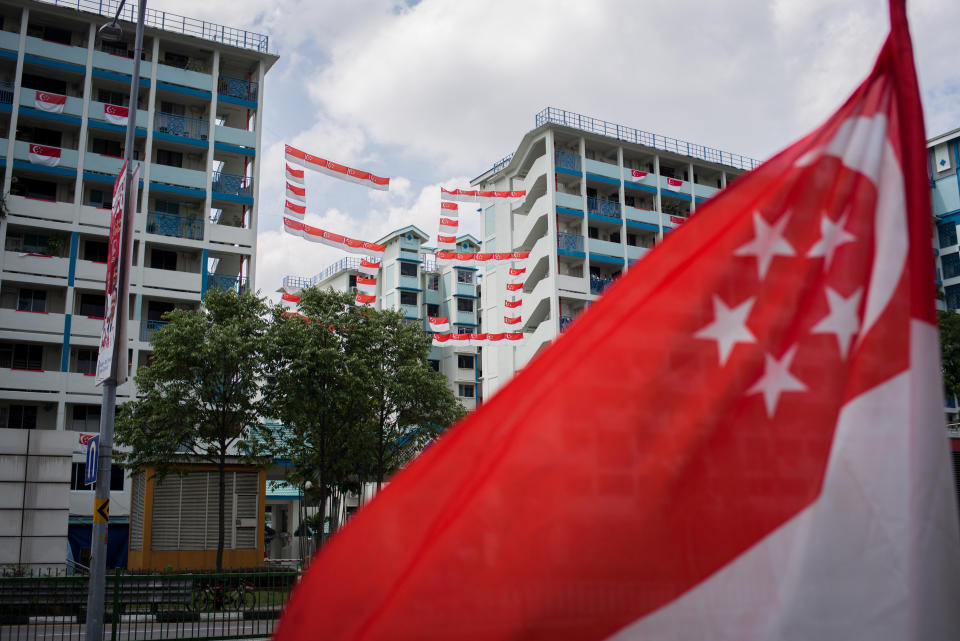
293,282
185,126
640,137
174,23
174,225
237,88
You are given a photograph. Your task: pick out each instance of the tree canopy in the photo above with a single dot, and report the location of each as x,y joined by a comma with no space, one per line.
949,322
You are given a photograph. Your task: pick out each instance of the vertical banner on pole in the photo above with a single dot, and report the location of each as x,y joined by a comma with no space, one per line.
114,329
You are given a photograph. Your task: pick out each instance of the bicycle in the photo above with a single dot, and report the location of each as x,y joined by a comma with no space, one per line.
222,596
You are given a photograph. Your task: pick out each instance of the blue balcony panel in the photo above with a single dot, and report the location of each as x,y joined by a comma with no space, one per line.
232,184
9,40
36,113
227,282
599,284
150,327
178,128
198,93
176,226
234,149
603,179
121,77
238,88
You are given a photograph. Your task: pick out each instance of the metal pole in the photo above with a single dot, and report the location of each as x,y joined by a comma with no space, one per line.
98,539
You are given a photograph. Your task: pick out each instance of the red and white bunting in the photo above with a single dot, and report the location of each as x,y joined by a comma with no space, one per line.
446,242
294,175
364,299
475,340
512,320
368,267
367,286
470,259
51,102
317,235
335,170
513,304
439,324
514,287
296,193
476,196
449,225
116,115
636,175
673,182
294,209
43,155
290,298
449,210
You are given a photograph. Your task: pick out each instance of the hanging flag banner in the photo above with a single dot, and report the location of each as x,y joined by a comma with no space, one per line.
317,235
475,196
296,193
368,267
335,170
673,182
514,287
116,115
636,175
470,259
367,286
513,304
292,208
364,299
294,176
475,340
50,102
439,324
741,440
446,242
43,155
119,248
290,298
450,210
449,225
677,220
512,320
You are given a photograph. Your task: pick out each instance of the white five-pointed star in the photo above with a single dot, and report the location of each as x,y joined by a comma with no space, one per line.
728,326
832,235
843,319
777,379
768,242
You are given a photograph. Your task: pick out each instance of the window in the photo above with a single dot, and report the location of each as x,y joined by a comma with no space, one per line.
172,108
113,97
434,365
408,298
32,300
86,418
43,83
32,188
116,48
169,158
433,310
632,240
175,60
21,356
95,250
167,207
86,361
92,305
107,147
464,304
615,237
100,198
465,361
465,391
948,234
464,330
464,276
352,280
953,296
163,259
408,269
79,470
55,34
22,417
593,232
433,282
951,265
40,135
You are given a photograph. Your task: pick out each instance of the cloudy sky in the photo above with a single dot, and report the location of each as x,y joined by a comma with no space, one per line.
434,92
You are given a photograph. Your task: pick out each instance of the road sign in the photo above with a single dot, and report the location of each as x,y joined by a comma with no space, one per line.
93,458
101,510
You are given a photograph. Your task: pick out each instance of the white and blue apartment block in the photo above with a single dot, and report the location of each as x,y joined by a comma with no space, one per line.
199,121
411,281
599,196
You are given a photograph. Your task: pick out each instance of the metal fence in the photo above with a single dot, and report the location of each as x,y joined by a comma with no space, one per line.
226,282
233,184
569,242
603,207
6,93
164,224
185,126
237,88
156,606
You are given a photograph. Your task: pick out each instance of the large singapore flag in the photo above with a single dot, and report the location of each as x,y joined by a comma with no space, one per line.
742,439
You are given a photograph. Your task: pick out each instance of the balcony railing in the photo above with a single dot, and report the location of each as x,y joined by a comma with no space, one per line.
173,22
150,327
237,88
598,284
570,242
6,93
603,207
226,282
173,225
185,126
232,184
567,160
565,322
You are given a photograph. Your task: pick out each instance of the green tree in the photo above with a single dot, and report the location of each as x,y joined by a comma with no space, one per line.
199,396
949,322
410,403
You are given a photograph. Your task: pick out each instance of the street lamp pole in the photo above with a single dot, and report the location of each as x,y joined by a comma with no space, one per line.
98,540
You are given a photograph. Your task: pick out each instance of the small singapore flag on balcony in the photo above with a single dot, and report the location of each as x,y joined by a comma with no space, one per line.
50,102
116,115
769,461
43,155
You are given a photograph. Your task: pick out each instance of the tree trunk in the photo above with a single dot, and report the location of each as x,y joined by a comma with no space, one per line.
323,509
380,451
222,473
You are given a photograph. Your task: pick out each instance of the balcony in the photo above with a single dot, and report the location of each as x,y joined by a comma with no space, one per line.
464,289
150,327
565,322
68,157
237,88
603,168
231,235
184,77
568,160
182,126
36,265
675,185
226,282
101,163
34,322
73,106
605,248
32,380
97,112
235,136
176,226
94,272
570,201
120,64
41,209
232,184
9,40
602,207
569,242
178,176
704,191
598,284
56,51
641,216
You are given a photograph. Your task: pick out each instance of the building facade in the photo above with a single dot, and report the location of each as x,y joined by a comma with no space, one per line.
412,282
599,196
198,130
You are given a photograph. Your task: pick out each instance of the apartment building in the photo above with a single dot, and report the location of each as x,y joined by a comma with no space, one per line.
599,196
413,283
64,90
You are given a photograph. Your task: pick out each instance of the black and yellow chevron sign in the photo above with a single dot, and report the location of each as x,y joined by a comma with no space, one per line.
101,510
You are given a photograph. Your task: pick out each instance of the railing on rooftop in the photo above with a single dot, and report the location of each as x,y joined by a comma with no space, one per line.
6,93
569,242
350,262
640,137
237,88
173,225
232,184
430,265
226,282
603,207
186,126
173,22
